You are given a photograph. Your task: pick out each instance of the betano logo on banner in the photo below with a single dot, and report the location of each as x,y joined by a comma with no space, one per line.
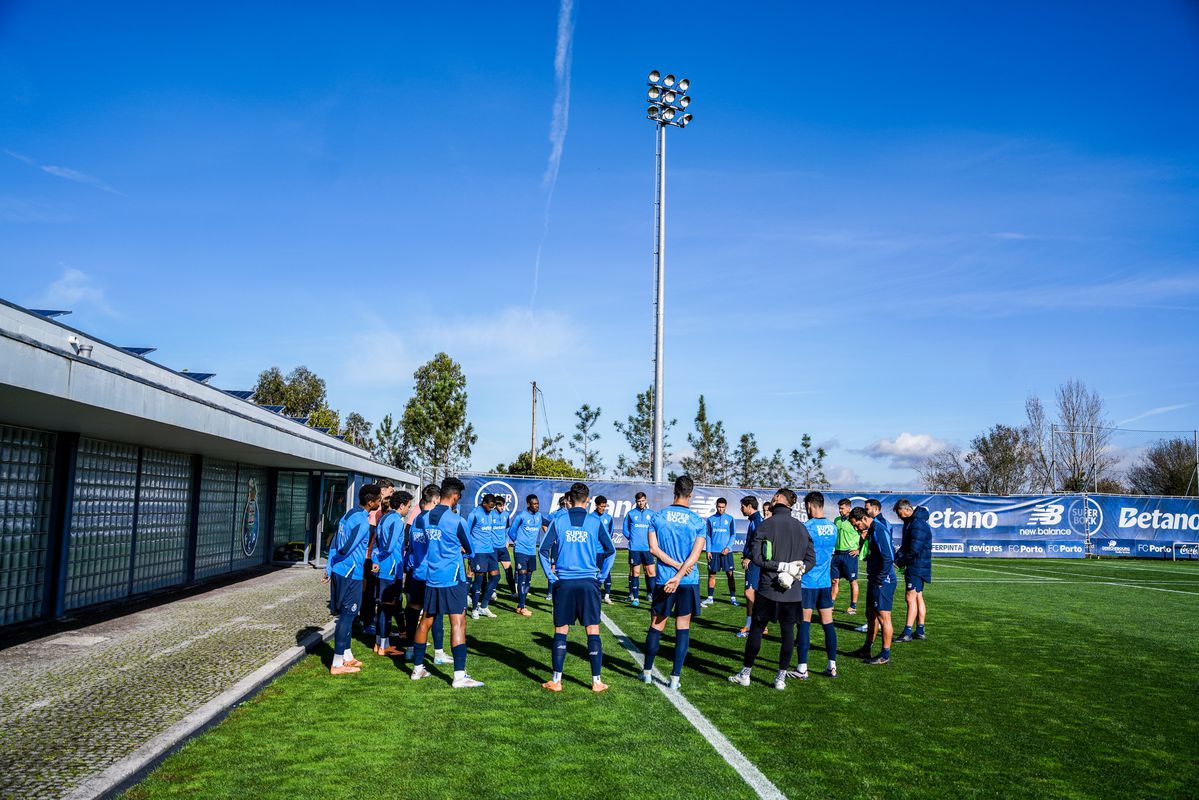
1025,526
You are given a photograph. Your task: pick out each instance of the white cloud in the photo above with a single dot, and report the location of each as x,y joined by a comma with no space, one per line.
75,290
78,177
841,477
906,451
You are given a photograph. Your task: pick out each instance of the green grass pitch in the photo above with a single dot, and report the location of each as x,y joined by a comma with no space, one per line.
1039,679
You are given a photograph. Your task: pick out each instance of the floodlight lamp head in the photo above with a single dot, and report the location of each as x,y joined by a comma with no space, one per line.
655,76
670,97
685,121
668,114
683,85
654,93
668,81
684,101
653,112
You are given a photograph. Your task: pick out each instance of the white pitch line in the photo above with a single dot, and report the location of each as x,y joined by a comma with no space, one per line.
1055,582
1101,580
1182,571
748,771
1009,573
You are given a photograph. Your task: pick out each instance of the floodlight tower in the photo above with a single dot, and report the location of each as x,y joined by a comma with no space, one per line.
668,100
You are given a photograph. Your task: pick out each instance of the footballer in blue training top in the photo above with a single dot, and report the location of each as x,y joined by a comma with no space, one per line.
387,559
749,508
816,583
445,581
676,538
480,526
601,511
525,534
573,551
636,531
499,530
344,570
720,551
880,583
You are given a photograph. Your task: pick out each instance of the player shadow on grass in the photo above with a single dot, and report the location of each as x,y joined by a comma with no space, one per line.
577,651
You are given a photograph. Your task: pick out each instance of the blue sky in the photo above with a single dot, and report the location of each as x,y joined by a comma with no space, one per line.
886,219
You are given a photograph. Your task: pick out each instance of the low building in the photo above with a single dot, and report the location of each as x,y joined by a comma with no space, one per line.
119,476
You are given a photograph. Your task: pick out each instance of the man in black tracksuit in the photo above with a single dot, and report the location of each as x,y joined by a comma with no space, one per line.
783,551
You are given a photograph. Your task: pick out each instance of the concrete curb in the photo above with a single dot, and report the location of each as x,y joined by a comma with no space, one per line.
131,769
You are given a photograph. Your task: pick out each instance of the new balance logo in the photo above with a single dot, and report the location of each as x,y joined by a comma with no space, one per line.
1046,514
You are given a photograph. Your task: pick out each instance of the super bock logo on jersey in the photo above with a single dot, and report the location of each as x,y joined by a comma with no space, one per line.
249,521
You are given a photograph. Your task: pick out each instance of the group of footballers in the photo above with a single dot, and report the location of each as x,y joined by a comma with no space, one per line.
445,564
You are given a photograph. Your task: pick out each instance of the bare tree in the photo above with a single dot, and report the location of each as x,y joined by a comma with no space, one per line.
947,471
1000,460
1082,439
1169,466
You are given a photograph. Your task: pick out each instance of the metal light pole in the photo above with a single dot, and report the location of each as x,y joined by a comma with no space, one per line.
667,98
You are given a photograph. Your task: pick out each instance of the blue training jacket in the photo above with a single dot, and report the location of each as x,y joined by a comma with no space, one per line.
447,538
389,545
606,518
677,528
348,549
881,557
824,541
636,528
524,532
499,529
576,546
478,527
416,544
755,519
720,532
916,547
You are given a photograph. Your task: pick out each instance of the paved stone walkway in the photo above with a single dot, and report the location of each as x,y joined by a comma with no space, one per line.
73,704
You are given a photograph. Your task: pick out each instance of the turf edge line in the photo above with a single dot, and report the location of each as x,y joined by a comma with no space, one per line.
734,757
133,767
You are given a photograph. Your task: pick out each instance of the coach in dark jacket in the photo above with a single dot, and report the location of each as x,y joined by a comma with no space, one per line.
915,557
783,551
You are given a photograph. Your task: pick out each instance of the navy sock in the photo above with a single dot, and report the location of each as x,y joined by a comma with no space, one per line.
635,587
558,657
595,651
494,581
439,632
886,653
682,640
920,629
459,651
418,654
522,589
608,584
805,641
382,623
651,583
652,640
476,586
907,630
732,585
711,592
508,576
830,640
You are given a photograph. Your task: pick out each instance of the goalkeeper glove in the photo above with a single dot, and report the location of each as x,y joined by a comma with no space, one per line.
796,568
785,580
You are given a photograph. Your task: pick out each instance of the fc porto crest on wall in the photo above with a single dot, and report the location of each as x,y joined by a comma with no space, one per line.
249,521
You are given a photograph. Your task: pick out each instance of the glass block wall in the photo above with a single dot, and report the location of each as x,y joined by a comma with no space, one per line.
26,472
101,528
163,506
218,501
291,517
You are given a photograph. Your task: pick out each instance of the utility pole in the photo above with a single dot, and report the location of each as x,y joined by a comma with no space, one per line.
533,439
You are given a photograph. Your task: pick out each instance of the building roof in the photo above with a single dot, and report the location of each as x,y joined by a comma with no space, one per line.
50,379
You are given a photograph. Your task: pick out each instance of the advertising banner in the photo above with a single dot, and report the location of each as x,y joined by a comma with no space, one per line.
967,526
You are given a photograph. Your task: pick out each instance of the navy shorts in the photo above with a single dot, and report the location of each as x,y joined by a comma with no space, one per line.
915,583
752,574
526,563
817,599
844,566
502,556
415,590
388,592
682,602
347,594
880,596
446,600
720,562
639,558
576,601
484,562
